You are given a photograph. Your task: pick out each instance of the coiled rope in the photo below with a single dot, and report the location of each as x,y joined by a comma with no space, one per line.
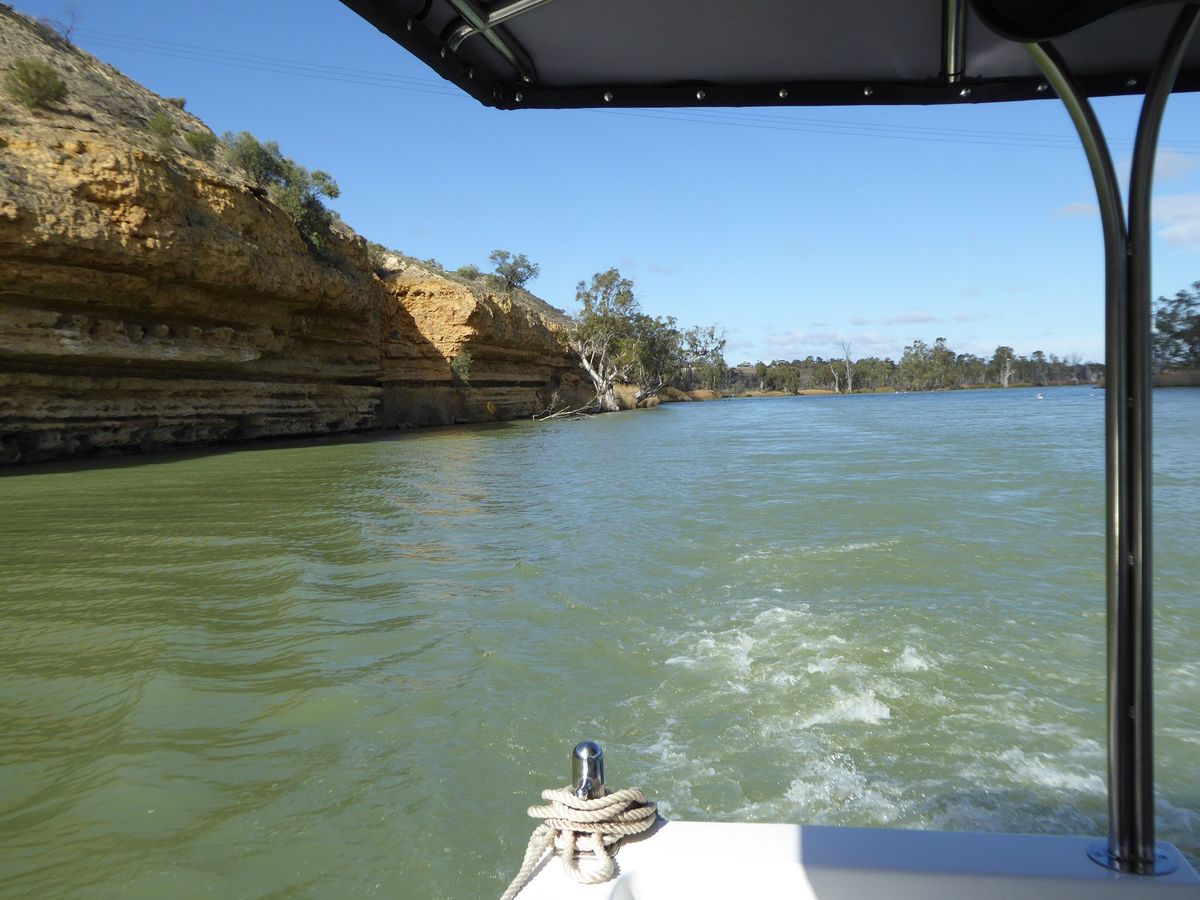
572,825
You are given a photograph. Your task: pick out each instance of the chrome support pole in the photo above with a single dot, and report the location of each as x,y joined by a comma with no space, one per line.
954,29
1128,379
1132,729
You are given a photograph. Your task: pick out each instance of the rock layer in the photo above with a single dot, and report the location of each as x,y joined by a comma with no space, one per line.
151,300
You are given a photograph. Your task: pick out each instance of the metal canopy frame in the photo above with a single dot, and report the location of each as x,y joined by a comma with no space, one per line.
1127,379
476,20
449,51
1131,846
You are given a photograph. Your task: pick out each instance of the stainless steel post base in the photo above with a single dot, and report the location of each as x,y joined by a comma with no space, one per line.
1163,863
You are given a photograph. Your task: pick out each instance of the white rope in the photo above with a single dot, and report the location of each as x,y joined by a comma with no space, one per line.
571,825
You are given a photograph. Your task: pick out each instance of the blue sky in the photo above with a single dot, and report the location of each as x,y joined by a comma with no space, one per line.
793,229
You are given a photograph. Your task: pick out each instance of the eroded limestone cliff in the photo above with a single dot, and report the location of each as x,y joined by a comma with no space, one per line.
150,299
517,362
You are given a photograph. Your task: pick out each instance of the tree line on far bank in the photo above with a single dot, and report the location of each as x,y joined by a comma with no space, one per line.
922,367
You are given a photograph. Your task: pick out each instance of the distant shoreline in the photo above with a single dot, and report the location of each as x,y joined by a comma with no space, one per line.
823,392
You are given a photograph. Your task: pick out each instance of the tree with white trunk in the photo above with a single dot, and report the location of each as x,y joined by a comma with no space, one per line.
618,343
1002,363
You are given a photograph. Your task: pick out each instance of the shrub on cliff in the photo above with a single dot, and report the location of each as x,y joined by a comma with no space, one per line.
377,255
461,367
203,143
289,184
469,272
34,83
300,192
262,162
163,129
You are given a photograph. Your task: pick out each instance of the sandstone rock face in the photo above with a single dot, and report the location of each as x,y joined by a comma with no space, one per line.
518,366
151,300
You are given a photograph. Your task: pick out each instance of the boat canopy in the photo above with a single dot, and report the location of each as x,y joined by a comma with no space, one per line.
546,54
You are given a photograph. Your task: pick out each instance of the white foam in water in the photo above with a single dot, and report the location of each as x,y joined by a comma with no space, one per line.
769,630
668,756
734,649
816,549
777,615
740,649
686,661
757,554
831,786
864,707
911,661
1185,674
865,545
1036,770
824,666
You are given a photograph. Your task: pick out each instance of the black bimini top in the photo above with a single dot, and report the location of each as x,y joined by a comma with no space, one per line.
545,54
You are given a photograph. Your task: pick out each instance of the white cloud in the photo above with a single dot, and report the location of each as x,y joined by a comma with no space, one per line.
875,340
1171,164
1177,217
1168,165
1081,208
860,321
911,317
800,337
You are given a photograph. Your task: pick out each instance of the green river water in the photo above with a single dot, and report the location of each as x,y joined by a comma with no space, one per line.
344,669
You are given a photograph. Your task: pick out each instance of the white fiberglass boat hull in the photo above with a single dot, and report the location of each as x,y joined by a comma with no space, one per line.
696,860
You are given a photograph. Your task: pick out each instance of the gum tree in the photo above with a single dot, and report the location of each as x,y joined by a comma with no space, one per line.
512,271
618,343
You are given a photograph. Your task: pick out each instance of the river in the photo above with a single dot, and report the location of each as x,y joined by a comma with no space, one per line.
344,669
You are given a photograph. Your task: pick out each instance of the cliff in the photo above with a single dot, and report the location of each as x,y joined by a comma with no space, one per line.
516,362
151,299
